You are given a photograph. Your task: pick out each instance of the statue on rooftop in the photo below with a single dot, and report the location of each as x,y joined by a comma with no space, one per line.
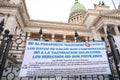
101,3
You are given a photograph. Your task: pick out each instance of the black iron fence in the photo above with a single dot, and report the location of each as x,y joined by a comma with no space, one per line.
12,51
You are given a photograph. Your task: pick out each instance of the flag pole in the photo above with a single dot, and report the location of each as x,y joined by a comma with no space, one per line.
114,4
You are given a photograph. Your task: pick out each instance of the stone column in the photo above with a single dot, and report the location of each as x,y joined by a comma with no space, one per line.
53,36
94,34
75,39
116,30
105,37
98,36
73,20
76,20
28,37
11,24
64,38
41,37
86,38
105,29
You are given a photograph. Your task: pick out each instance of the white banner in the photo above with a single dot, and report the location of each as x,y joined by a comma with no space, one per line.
62,58
117,42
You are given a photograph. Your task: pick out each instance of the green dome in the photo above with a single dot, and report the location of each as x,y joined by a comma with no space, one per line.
77,7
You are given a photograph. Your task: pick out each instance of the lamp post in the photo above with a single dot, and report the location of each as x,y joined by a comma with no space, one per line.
76,36
76,39
114,52
40,34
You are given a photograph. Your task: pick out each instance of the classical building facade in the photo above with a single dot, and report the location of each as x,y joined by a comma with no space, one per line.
90,24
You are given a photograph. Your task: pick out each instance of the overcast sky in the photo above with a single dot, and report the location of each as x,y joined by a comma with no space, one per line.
59,10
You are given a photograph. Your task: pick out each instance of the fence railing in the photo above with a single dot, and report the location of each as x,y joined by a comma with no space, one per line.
12,51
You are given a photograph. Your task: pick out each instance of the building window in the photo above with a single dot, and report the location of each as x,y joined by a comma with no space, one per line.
58,38
47,36
34,36
70,38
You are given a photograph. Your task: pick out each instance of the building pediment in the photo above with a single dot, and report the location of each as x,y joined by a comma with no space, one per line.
90,17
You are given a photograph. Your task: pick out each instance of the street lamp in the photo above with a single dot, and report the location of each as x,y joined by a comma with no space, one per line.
76,36
40,34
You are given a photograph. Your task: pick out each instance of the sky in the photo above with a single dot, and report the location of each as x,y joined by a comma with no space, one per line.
59,10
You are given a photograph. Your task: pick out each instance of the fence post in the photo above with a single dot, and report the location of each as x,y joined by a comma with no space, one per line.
3,43
5,51
114,52
1,26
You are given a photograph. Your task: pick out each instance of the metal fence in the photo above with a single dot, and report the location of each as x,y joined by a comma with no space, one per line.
12,51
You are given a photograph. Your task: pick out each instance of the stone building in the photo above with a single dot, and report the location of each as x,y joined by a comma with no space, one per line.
90,24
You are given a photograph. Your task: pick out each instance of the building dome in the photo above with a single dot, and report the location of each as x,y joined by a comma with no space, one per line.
77,7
